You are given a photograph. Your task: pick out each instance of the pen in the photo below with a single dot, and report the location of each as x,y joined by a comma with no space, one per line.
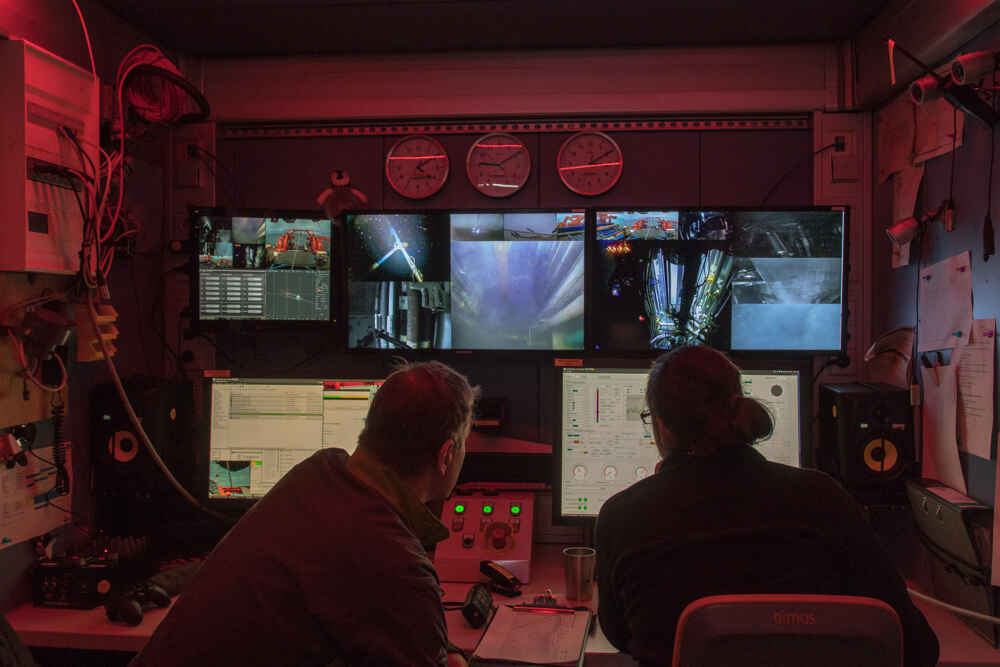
541,610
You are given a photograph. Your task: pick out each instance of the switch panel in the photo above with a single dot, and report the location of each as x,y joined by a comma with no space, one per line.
486,527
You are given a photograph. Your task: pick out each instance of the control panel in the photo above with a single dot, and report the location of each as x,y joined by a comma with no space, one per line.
486,526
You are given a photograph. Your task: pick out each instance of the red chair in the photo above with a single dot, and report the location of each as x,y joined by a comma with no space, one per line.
788,631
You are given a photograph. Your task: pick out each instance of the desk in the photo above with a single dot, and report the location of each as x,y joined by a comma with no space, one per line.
84,629
90,629
546,572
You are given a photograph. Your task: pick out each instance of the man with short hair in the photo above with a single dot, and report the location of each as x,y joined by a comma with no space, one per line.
330,567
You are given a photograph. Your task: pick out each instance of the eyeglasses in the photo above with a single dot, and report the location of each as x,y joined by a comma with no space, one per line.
646,417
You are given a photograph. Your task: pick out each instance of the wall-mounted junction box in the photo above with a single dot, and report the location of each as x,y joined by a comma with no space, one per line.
41,225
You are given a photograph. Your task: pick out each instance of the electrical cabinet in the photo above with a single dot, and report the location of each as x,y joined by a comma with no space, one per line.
41,224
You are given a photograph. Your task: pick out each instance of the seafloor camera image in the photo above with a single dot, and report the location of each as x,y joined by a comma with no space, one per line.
399,246
517,295
787,287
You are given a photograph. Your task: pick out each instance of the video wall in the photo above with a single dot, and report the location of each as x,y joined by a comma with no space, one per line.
628,280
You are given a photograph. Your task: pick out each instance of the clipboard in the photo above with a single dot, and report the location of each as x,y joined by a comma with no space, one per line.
538,636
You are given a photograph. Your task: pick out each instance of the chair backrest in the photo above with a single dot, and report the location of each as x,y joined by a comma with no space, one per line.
788,630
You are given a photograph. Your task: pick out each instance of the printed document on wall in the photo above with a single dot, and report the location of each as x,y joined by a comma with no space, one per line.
25,492
945,304
975,389
939,422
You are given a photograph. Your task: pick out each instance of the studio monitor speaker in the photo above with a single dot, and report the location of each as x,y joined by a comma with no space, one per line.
866,438
133,497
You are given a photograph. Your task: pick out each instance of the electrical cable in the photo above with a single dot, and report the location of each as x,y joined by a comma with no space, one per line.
137,423
958,610
86,36
30,374
794,168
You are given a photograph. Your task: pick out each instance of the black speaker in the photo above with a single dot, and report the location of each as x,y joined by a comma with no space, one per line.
866,439
133,497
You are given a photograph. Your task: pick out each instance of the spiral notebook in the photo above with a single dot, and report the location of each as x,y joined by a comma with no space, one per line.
534,637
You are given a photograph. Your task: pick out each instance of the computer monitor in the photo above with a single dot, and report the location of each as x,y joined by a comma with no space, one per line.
261,428
602,446
263,268
486,280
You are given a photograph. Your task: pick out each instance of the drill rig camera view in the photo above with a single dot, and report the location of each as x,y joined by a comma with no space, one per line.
741,280
505,281
263,269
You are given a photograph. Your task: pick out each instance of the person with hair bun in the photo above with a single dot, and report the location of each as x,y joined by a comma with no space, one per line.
718,518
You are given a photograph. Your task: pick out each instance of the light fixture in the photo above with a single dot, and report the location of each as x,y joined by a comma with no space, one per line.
903,231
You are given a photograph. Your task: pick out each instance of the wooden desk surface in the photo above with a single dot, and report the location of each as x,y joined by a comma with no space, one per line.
90,629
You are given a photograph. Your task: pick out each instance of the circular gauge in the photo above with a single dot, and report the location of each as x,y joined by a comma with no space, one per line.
610,473
590,163
579,472
777,390
498,164
417,166
641,472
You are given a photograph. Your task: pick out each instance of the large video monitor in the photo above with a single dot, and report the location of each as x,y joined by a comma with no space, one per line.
511,280
740,280
601,445
261,428
263,268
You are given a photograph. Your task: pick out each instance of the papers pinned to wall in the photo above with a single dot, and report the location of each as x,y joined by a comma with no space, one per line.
25,492
975,389
945,299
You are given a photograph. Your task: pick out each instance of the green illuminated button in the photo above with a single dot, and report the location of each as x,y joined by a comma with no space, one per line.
515,509
459,508
487,509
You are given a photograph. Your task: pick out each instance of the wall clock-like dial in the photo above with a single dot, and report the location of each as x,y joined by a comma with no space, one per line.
590,163
417,166
498,164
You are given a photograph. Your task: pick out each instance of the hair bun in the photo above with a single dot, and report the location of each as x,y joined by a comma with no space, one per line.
752,419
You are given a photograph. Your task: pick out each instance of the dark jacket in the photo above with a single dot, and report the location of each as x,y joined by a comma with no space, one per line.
736,523
322,569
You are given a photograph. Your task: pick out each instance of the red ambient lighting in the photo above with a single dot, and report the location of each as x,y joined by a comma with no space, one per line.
417,157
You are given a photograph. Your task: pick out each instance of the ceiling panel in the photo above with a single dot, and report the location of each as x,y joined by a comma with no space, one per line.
218,28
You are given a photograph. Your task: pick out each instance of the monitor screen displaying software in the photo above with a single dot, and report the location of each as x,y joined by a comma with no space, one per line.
264,268
605,447
261,428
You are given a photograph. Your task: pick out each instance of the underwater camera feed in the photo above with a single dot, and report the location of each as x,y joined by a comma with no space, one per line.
504,281
787,286
264,268
741,280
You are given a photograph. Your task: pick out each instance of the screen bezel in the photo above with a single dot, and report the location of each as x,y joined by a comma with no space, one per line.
202,472
335,273
447,353
763,353
807,456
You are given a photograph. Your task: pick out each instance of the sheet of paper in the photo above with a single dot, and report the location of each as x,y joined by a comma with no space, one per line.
534,637
896,130
25,492
975,389
939,426
945,304
905,186
939,128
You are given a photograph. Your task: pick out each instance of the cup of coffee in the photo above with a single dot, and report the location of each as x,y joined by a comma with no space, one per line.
578,565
